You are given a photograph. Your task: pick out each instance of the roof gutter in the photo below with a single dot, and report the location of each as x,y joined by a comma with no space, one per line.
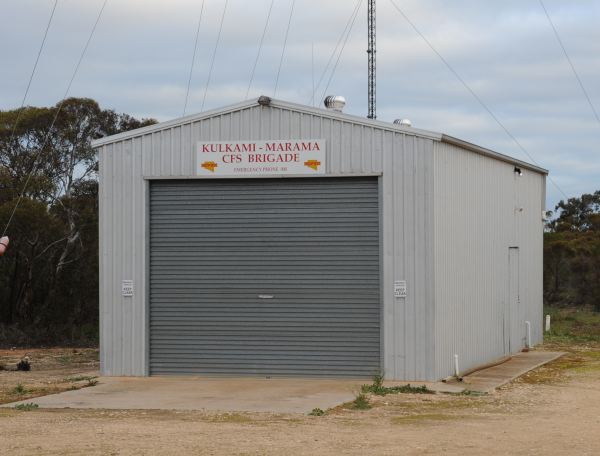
490,153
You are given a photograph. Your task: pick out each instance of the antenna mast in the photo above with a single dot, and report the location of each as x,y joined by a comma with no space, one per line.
371,57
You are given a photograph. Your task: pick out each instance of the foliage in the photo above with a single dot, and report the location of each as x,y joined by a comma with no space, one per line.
572,326
572,254
361,402
26,407
49,275
19,389
317,412
378,389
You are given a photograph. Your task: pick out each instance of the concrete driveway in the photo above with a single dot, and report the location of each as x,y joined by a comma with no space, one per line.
200,393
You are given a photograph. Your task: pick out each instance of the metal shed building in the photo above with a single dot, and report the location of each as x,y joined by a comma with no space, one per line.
270,238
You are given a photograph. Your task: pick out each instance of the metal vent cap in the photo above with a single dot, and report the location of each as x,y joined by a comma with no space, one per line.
403,122
335,102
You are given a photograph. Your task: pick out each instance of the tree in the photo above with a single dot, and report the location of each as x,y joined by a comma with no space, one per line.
572,254
49,276
578,214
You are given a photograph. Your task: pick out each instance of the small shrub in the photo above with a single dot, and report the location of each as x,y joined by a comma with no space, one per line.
92,382
378,389
26,407
361,402
19,389
317,412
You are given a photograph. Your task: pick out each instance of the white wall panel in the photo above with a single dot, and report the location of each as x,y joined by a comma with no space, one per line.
477,219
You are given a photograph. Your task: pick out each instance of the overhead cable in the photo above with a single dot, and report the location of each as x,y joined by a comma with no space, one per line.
212,61
262,39
37,59
472,92
60,105
187,93
589,100
341,50
325,70
287,31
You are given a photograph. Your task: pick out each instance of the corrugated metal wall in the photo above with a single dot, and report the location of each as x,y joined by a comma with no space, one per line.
405,161
478,216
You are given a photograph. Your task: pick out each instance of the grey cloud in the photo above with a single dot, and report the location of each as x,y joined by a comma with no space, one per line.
139,63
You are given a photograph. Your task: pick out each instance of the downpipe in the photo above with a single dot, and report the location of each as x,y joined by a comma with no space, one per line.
528,340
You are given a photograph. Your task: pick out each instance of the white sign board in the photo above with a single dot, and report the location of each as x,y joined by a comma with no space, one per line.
400,288
127,288
261,158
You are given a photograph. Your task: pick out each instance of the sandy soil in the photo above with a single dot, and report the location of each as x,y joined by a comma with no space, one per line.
53,370
553,410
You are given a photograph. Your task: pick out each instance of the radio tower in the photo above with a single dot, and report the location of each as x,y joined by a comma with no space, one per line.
371,55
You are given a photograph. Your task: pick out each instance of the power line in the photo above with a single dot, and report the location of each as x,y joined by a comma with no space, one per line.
187,93
287,31
342,49
569,60
212,62
37,59
262,39
60,105
352,15
312,72
472,92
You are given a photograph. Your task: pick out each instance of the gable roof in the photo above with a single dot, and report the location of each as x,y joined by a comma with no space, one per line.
319,112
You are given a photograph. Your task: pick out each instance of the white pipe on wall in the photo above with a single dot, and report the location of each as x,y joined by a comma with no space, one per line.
547,323
456,371
528,325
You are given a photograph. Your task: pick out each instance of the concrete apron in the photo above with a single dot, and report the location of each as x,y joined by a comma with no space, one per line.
487,380
275,395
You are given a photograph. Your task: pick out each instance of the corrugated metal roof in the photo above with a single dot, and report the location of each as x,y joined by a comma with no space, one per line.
322,112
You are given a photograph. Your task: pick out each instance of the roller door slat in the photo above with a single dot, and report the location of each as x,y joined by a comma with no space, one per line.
308,247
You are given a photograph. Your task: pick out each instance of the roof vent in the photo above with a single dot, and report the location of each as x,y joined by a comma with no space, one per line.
335,102
264,101
403,122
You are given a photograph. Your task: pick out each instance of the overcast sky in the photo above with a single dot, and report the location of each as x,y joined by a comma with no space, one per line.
140,56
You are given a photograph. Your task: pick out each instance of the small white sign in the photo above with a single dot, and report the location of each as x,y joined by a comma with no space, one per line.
261,158
400,288
127,288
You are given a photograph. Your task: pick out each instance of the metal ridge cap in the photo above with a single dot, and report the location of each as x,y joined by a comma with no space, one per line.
490,153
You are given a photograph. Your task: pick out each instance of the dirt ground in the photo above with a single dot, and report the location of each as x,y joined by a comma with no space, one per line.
53,370
552,410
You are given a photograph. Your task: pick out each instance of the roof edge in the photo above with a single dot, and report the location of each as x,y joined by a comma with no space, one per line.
273,103
490,153
173,122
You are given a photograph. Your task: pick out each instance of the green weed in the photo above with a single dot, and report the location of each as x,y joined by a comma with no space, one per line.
19,389
26,407
361,402
378,389
317,412
572,326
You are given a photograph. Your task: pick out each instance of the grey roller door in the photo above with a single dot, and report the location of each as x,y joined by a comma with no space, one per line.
265,277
